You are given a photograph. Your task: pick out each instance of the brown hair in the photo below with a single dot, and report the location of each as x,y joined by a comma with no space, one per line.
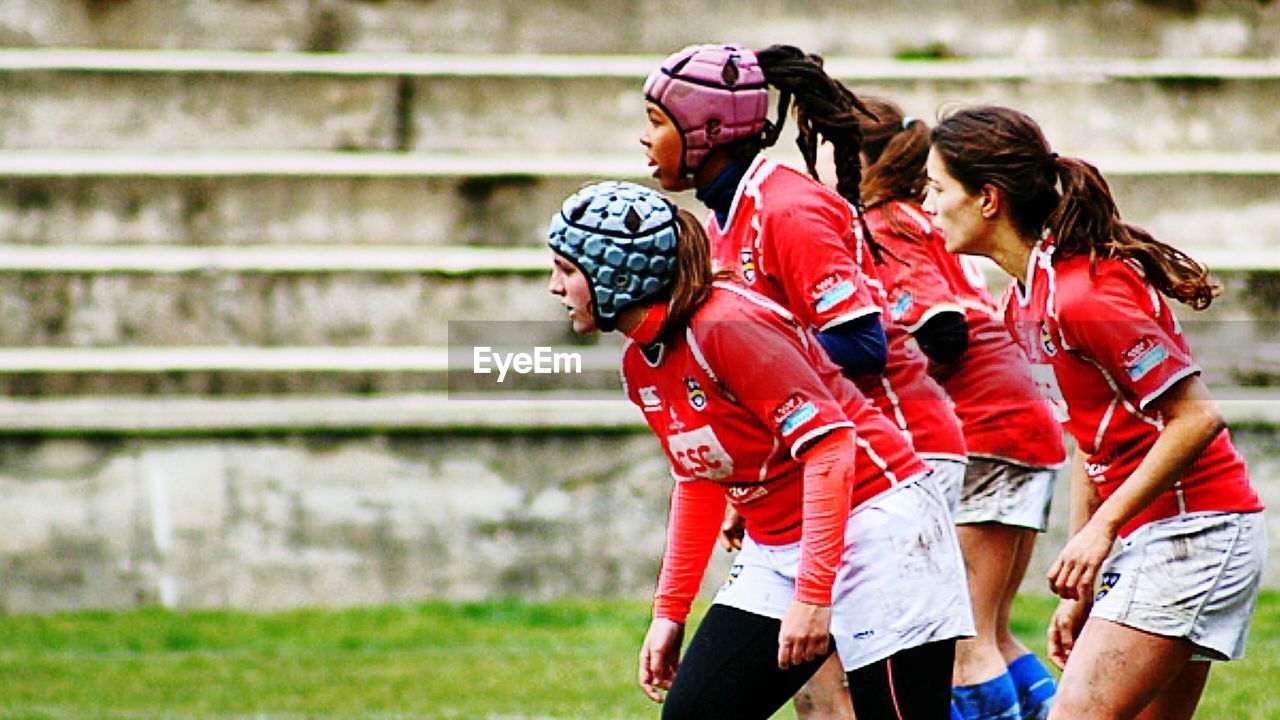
998,146
693,276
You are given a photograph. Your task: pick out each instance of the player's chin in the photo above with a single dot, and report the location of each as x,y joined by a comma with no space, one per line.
674,182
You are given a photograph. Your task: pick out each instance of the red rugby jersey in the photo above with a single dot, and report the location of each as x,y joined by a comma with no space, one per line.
733,402
1000,410
793,240
1103,345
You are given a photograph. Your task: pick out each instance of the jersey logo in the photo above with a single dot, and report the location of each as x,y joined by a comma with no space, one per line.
901,305
1109,581
1143,356
744,493
830,291
649,398
697,396
1046,340
793,412
700,454
748,265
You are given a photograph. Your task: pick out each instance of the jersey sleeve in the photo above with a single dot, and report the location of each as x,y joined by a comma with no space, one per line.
768,367
916,287
807,255
1114,322
697,509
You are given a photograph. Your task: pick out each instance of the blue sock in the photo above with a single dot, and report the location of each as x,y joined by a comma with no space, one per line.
995,699
955,713
1035,685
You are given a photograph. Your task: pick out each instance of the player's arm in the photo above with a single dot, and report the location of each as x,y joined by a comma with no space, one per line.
694,519
858,345
1191,422
1068,618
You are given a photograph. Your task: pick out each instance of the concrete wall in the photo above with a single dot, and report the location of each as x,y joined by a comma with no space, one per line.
342,520
1038,28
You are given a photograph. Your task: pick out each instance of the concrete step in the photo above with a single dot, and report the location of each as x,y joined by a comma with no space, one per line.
467,368
464,369
1004,28
252,101
410,412
73,296
86,198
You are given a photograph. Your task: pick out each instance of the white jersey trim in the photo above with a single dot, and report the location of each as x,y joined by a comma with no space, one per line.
1173,379
860,312
935,311
816,433
1019,463
739,192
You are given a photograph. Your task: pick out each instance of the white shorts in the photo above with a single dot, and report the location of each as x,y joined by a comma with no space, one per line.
949,476
901,581
1002,492
1194,576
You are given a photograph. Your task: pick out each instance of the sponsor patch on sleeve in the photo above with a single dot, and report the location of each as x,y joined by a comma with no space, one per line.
793,413
1143,356
901,305
831,291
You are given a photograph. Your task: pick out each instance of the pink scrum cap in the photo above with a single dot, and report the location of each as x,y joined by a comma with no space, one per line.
715,95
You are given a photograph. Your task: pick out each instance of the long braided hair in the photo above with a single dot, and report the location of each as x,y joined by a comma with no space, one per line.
825,110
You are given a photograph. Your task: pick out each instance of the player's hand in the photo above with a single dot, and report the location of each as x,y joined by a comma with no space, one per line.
1064,627
805,634
1072,575
732,530
660,657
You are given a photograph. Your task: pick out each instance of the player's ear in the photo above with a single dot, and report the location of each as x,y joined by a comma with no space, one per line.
989,201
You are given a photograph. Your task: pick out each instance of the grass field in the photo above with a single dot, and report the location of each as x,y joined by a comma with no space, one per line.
493,660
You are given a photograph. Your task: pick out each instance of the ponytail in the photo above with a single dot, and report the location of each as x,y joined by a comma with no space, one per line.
1087,220
998,146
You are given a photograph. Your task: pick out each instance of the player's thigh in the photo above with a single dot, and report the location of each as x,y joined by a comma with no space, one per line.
1115,671
826,695
730,670
1179,700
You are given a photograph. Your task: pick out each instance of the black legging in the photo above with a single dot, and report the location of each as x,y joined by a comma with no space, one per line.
730,672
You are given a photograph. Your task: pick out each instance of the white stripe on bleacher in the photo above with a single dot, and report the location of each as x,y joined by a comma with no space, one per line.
451,261
256,359
82,163
421,412
608,66
79,163
435,412
447,261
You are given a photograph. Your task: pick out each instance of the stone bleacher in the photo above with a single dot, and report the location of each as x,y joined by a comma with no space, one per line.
231,270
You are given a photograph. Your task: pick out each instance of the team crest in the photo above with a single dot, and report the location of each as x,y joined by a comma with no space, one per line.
748,265
1109,581
697,396
1046,340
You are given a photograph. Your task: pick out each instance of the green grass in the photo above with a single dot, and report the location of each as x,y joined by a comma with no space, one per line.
436,660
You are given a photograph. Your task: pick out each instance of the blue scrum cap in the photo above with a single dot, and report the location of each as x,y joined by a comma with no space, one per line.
622,236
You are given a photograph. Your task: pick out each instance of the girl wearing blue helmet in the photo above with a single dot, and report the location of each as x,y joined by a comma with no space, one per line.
848,543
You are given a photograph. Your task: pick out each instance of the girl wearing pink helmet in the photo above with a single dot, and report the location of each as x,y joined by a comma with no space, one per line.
848,542
1155,467
784,234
